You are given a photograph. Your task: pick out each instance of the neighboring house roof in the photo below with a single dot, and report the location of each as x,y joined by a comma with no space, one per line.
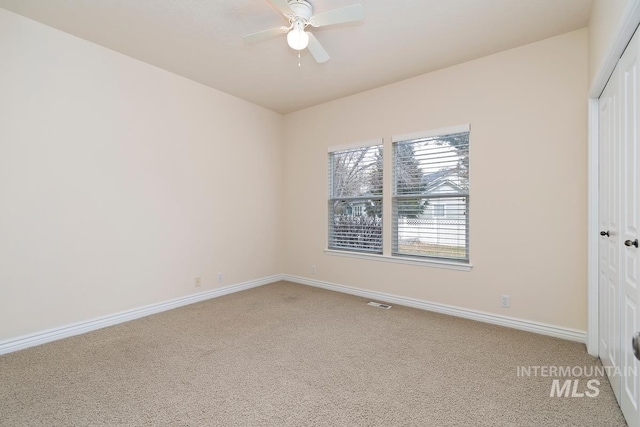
443,177
454,187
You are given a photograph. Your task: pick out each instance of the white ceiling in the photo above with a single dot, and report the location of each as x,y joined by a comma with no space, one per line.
202,40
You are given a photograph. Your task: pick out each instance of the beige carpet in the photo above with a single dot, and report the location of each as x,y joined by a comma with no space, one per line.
291,355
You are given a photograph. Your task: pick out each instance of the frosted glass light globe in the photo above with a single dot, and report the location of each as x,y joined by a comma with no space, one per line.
298,39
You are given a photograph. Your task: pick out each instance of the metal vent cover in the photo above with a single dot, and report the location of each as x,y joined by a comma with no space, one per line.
379,305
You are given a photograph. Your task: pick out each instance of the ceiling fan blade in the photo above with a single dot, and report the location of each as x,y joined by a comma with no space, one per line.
316,49
264,35
338,16
282,6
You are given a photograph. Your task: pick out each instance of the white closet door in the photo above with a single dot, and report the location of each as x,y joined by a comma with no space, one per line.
628,71
619,211
609,296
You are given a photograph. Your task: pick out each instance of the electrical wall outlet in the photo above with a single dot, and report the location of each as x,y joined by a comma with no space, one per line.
198,282
220,278
313,269
504,301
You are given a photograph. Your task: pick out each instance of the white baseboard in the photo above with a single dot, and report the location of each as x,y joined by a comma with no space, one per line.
15,344
19,343
495,319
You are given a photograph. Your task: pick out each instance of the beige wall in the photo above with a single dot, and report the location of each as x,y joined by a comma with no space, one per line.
606,16
120,182
527,110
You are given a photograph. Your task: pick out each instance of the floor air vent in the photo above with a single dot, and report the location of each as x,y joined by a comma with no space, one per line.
377,304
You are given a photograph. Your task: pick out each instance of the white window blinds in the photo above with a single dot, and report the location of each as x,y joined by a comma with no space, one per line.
355,199
431,196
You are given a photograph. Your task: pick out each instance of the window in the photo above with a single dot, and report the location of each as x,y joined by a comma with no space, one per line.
429,172
355,199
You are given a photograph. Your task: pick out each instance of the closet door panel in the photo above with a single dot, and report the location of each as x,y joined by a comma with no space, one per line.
608,249
629,69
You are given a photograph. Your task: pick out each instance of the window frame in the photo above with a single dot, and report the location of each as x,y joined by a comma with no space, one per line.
376,144
395,197
386,256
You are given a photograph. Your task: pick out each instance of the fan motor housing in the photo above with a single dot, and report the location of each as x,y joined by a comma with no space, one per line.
301,8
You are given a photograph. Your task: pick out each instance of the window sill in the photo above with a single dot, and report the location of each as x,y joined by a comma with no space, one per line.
449,265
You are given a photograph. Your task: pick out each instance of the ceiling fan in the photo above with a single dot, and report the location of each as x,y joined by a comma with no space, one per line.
299,13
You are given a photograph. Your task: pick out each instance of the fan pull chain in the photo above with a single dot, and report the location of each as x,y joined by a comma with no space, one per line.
299,64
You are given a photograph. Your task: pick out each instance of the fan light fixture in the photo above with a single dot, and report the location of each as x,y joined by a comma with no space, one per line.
299,16
297,38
